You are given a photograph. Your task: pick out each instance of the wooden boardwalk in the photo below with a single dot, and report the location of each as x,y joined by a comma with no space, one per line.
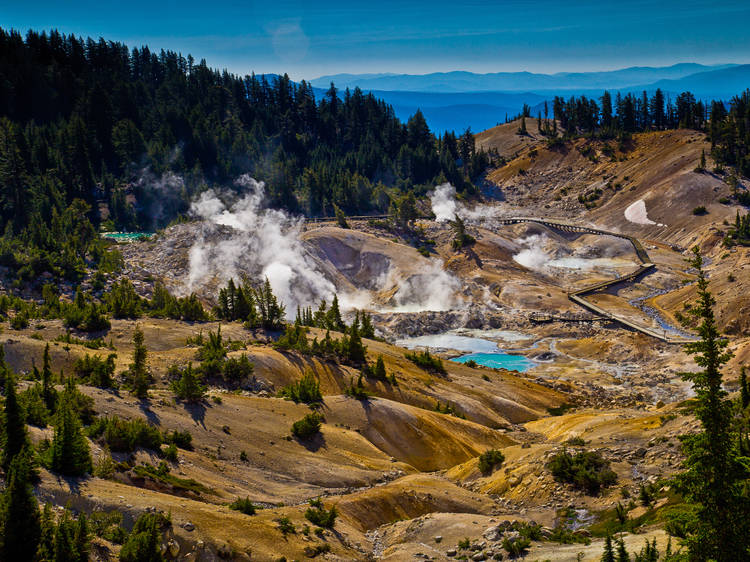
578,296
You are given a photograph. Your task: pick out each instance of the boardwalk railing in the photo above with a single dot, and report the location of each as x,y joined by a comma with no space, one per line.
577,296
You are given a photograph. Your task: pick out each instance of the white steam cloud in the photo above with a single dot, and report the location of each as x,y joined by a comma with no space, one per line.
258,242
445,207
432,289
263,243
533,255
539,253
443,201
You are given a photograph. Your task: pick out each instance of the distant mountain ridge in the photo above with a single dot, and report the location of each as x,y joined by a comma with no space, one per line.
457,100
464,81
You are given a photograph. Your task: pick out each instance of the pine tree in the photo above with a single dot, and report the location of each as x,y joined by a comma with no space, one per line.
333,316
65,543
379,372
82,538
622,552
367,330
271,312
714,475
71,455
189,387
701,167
15,437
744,391
609,554
4,369
144,541
46,550
355,351
19,512
139,379
49,394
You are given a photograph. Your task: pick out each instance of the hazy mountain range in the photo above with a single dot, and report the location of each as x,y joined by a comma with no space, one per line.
462,81
457,100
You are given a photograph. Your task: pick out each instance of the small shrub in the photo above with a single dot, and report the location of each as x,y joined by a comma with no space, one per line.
516,546
108,525
243,456
126,435
182,439
188,386
237,369
307,426
700,210
489,460
576,441
587,470
286,526
306,390
621,513
243,505
105,465
20,321
170,453
560,410
144,541
358,390
95,371
318,515
426,361
162,474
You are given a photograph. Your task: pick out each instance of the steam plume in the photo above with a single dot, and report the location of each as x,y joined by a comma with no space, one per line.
262,243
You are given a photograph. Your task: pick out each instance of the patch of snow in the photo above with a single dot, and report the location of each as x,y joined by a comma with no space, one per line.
637,213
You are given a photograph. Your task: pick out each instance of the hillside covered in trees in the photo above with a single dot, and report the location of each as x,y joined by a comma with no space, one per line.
93,133
727,124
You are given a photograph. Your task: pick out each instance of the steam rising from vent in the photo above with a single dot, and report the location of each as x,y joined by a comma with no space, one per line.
240,237
433,289
443,201
533,255
445,207
263,243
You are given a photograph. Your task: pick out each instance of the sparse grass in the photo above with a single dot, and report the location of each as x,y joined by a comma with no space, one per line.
313,551
162,474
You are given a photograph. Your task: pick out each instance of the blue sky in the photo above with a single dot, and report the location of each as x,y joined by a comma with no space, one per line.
309,39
